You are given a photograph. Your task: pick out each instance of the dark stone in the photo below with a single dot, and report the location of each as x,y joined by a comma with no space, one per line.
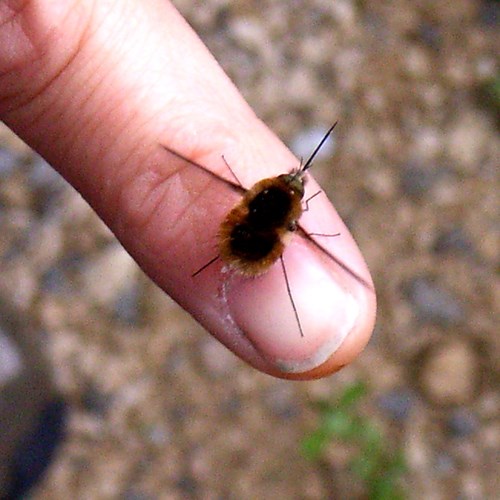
445,464
127,306
180,413
8,162
281,401
488,13
432,303
73,262
453,240
54,280
416,180
42,175
134,494
188,485
397,403
462,423
430,35
47,186
94,401
232,405
222,19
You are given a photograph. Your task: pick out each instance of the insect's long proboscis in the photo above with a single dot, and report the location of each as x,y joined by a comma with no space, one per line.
308,163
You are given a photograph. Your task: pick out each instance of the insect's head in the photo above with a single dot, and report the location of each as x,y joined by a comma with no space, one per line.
295,181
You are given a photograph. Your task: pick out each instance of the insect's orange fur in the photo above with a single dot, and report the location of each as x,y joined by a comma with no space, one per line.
240,212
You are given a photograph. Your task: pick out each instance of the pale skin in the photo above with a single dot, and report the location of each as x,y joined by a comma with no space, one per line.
95,87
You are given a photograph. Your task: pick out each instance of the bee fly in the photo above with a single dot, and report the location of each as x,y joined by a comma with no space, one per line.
253,235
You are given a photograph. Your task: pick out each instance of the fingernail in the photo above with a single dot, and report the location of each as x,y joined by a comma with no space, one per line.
262,309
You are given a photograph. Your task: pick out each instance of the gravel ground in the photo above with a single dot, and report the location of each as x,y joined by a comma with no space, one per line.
158,409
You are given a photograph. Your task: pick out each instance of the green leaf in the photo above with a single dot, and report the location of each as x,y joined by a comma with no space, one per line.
314,444
364,466
352,394
384,488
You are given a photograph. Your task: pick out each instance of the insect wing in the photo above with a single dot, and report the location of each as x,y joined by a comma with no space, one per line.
237,188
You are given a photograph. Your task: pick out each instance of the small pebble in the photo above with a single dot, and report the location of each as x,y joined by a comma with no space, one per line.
450,373
180,413
159,435
127,306
432,303
430,34
445,464
107,274
54,280
462,423
134,494
47,185
11,362
489,13
417,180
466,143
217,360
42,175
397,403
281,400
177,361
232,405
453,240
95,401
9,161
188,486
249,32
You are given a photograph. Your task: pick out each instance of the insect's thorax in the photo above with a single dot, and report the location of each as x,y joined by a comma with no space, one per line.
274,203
254,232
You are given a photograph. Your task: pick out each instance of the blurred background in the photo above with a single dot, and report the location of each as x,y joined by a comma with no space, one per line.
154,408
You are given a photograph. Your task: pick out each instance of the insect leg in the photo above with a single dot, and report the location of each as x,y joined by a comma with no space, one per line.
294,307
232,172
306,209
202,268
325,235
335,259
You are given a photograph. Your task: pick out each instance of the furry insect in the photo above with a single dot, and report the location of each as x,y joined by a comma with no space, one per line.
254,234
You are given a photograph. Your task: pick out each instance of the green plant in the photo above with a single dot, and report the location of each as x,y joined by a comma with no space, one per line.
374,463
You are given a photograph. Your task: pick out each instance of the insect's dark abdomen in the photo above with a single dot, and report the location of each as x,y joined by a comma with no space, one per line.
253,235
269,209
247,242
256,236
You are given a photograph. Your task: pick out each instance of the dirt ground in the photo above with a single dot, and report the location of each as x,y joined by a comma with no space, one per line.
160,410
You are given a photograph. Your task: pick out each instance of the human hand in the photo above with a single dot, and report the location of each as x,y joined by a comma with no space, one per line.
96,88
